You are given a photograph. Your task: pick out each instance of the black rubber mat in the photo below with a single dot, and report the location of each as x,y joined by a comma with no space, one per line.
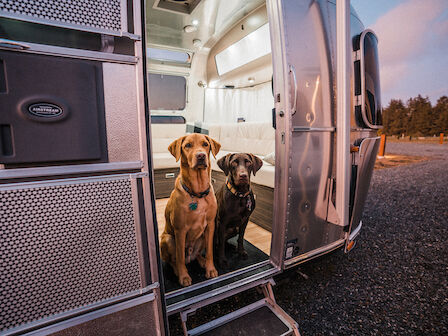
197,273
260,322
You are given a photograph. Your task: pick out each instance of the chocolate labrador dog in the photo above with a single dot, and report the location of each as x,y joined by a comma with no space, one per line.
236,201
191,210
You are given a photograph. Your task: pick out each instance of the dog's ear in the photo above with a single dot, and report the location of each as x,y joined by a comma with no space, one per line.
214,145
224,163
257,163
175,147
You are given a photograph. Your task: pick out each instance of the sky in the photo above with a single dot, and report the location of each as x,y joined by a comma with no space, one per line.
413,46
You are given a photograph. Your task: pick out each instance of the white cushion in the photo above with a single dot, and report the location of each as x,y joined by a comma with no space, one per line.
162,135
164,160
255,138
270,158
214,131
265,176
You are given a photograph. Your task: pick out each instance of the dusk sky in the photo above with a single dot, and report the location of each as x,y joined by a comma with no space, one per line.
413,45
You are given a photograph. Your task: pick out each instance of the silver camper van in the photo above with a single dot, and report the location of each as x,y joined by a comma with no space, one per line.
92,93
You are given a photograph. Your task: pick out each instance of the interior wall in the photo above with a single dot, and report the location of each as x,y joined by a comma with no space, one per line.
227,105
195,93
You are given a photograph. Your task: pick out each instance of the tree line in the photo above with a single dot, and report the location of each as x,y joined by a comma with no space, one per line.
416,118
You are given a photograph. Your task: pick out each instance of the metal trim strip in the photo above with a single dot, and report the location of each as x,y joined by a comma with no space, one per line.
355,232
67,170
215,280
314,129
138,231
70,52
77,180
314,253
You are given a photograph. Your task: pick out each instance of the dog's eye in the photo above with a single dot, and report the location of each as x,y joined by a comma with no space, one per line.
188,145
205,144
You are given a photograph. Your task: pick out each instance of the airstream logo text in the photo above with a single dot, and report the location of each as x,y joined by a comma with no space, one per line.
45,110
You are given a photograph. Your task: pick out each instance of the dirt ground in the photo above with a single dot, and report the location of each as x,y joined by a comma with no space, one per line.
395,160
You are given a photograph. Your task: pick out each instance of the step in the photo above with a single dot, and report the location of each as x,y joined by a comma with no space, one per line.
262,318
259,318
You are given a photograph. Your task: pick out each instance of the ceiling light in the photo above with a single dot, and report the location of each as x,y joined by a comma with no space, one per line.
195,22
197,42
251,80
190,29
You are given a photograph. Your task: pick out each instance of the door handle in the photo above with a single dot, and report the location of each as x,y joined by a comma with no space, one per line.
292,71
4,43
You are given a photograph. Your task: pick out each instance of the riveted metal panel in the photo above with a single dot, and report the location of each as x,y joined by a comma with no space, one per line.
99,15
65,244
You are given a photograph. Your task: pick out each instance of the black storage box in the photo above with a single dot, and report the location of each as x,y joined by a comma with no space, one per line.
51,109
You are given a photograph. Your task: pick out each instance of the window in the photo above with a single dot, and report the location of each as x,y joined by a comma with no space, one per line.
165,55
251,47
166,92
368,81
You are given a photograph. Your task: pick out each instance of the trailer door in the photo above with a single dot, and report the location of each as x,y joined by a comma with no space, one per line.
303,59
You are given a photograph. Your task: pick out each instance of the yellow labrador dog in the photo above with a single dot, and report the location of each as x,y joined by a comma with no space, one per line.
191,210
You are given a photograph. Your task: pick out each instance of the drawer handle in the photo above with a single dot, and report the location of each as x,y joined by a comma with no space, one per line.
169,175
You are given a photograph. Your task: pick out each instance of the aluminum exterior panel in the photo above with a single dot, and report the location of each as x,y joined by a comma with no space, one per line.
308,52
308,228
122,112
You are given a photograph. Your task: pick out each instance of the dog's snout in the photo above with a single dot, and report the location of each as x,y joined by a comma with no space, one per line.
243,175
200,156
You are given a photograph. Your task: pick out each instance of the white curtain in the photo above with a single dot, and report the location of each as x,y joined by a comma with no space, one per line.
227,105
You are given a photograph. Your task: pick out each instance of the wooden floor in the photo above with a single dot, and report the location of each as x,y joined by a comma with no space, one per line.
254,234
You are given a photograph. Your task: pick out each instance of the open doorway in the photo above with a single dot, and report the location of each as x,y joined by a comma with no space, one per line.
210,72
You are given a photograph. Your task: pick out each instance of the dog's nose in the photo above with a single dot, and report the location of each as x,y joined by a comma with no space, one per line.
200,156
243,176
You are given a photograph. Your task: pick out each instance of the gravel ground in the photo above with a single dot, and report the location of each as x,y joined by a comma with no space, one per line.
395,281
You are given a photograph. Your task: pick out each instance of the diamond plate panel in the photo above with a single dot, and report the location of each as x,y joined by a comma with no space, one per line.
100,14
65,245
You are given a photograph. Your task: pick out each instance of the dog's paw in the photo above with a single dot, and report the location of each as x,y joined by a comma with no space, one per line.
243,254
211,273
185,280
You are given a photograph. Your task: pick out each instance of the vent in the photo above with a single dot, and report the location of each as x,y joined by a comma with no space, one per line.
64,245
178,6
98,15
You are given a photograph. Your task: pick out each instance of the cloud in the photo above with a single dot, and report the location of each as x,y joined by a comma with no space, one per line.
414,32
403,31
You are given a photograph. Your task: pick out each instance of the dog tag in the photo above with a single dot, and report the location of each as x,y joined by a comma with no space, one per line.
249,204
193,206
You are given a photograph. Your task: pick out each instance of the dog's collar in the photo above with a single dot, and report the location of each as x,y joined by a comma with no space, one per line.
192,193
234,191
